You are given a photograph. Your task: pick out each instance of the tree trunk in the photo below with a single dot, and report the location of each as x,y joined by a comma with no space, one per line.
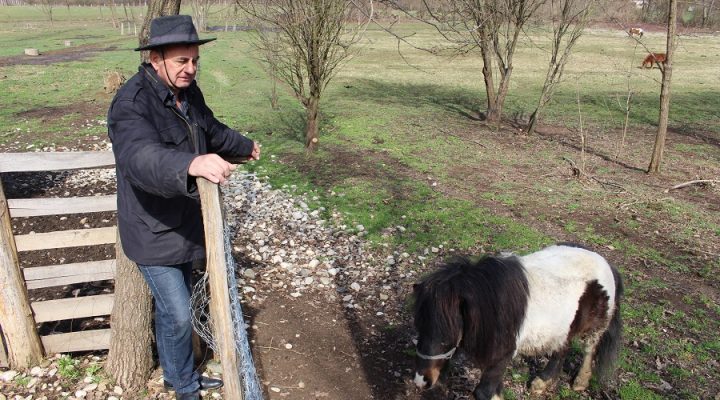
130,357
658,149
501,94
532,125
18,325
491,113
312,126
156,8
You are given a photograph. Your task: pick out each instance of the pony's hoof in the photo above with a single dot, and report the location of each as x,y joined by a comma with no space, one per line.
578,387
538,386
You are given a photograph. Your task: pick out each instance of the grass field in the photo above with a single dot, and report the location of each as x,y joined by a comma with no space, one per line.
400,146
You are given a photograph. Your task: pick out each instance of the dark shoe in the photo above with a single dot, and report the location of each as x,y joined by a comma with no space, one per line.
187,396
205,383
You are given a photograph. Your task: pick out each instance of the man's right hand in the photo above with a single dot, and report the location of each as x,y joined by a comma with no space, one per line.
211,167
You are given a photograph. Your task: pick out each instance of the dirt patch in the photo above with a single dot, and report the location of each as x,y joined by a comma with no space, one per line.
77,53
78,118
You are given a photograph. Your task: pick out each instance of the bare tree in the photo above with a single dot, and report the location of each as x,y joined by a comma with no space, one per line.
304,42
47,8
130,357
569,19
156,8
707,7
201,11
113,14
492,27
666,72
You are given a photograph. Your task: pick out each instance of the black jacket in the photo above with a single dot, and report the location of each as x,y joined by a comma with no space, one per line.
159,214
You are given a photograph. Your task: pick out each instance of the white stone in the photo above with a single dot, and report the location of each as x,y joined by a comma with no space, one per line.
90,387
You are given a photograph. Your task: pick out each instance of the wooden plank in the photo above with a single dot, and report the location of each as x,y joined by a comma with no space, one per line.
72,308
69,238
58,206
220,312
67,274
55,161
98,339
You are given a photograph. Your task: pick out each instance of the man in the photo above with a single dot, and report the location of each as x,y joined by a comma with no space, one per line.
164,136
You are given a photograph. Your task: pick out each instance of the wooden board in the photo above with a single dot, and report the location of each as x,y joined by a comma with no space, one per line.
220,311
98,339
59,206
72,308
69,238
67,274
55,161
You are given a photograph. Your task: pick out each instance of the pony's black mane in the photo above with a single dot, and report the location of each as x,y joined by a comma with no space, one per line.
490,295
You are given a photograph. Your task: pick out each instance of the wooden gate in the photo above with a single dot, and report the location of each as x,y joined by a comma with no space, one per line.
18,315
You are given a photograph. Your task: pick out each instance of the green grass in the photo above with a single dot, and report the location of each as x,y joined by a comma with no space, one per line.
634,391
68,367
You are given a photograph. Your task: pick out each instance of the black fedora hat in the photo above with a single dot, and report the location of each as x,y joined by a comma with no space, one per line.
172,29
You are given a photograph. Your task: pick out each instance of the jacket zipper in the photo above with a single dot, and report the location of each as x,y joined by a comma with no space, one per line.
191,131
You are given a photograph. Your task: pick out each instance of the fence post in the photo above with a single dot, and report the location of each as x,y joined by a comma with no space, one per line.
16,318
219,292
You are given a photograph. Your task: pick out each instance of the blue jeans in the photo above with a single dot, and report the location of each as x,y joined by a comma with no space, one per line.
171,286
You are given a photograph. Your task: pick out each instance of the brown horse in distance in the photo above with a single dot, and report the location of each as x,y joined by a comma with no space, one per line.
653,58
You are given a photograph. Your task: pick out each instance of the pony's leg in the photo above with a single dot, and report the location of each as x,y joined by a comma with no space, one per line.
491,383
582,379
551,370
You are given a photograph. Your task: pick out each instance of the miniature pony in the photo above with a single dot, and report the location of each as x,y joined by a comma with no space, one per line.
635,31
499,307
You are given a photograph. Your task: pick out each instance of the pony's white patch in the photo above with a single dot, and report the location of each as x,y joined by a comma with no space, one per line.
419,381
496,397
555,276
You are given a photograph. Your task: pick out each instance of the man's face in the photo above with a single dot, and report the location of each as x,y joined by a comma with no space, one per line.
179,66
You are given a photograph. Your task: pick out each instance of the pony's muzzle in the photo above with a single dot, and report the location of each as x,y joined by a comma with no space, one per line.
427,380
420,381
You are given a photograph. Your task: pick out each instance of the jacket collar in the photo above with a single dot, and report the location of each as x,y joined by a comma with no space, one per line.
162,91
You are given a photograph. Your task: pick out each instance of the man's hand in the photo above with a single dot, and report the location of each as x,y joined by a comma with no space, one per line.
255,155
212,167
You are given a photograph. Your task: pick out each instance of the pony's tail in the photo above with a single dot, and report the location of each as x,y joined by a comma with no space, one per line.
608,349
